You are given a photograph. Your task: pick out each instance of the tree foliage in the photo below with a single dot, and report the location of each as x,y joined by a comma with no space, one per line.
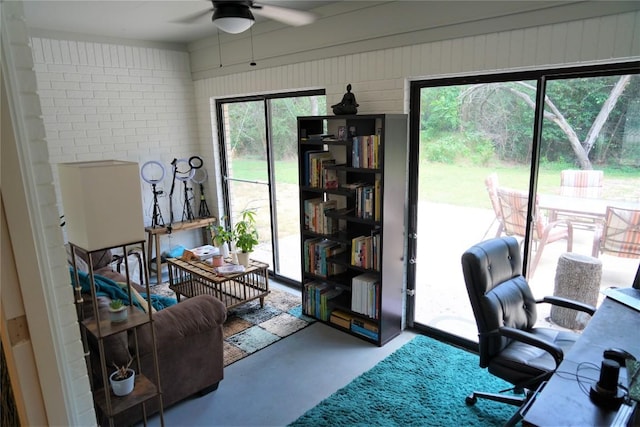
245,127
586,119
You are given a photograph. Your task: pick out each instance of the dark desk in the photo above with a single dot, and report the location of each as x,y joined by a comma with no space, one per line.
562,402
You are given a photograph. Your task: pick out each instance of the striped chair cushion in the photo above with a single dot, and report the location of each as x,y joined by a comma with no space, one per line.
621,233
579,183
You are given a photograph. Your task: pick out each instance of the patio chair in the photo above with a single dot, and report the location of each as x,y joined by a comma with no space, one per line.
513,206
581,183
619,235
491,183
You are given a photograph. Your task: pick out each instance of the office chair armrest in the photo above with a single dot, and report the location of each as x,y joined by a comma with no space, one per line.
528,338
568,303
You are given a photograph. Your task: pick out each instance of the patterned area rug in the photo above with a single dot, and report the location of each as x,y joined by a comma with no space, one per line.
250,328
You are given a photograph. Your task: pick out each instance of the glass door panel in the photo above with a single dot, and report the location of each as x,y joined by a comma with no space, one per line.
247,168
261,152
589,160
467,133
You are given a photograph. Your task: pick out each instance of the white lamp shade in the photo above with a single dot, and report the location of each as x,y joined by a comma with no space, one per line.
102,203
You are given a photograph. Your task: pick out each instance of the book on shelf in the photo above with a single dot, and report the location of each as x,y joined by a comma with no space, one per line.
365,251
365,293
318,299
365,151
330,178
313,166
315,215
365,328
341,318
319,136
317,252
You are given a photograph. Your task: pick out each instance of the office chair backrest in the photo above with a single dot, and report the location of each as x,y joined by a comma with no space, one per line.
499,294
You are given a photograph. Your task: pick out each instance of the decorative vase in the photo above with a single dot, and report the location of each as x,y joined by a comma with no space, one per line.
243,258
118,314
125,386
224,250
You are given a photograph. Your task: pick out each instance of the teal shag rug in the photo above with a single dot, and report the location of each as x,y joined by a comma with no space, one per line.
423,383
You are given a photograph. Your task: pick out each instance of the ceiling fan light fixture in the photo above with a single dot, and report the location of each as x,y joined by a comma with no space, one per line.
233,18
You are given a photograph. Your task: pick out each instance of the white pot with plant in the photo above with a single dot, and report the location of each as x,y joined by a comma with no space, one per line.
246,236
221,239
118,311
123,379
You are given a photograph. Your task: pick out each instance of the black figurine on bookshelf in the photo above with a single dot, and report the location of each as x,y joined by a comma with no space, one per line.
348,105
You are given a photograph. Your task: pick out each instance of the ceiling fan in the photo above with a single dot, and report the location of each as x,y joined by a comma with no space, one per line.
237,16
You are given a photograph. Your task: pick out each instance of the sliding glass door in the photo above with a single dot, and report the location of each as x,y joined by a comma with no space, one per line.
478,145
467,131
259,152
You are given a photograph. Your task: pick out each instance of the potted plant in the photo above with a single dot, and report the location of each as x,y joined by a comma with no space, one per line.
221,238
118,311
245,234
122,379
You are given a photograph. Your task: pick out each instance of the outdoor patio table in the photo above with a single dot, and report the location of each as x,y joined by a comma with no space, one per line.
587,208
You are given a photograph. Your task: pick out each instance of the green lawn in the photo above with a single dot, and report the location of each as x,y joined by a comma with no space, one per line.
463,185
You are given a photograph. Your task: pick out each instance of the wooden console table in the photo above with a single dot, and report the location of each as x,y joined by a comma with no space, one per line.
154,233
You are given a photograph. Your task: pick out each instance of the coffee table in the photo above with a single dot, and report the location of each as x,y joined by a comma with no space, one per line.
192,278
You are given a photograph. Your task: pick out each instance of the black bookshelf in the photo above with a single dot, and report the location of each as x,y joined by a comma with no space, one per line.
353,210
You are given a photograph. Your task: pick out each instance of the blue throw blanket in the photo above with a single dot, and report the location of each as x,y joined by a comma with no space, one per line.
106,287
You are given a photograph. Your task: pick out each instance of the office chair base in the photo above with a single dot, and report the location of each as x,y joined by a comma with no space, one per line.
511,400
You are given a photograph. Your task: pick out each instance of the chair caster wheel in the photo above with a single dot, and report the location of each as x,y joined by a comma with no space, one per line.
470,400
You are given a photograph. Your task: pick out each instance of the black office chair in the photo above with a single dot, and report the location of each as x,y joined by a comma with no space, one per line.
505,311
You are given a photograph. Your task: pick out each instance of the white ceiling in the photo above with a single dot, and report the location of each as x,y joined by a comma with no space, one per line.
133,19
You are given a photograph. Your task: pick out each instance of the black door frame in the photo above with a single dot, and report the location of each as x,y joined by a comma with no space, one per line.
541,77
265,98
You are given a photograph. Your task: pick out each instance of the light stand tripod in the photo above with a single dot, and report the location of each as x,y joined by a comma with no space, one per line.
147,176
156,218
187,212
199,178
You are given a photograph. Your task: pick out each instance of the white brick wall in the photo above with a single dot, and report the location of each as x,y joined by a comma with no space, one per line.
106,101
41,264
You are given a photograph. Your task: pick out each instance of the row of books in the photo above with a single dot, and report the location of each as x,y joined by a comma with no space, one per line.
317,299
367,199
365,251
316,174
355,324
315,216
316,253
365,151
365,294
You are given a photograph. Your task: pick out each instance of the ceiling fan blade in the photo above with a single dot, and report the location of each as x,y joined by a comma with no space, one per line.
285,15
189,19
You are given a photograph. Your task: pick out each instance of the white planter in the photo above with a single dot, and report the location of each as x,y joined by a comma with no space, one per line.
119,315
123,387
224,250
243,258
